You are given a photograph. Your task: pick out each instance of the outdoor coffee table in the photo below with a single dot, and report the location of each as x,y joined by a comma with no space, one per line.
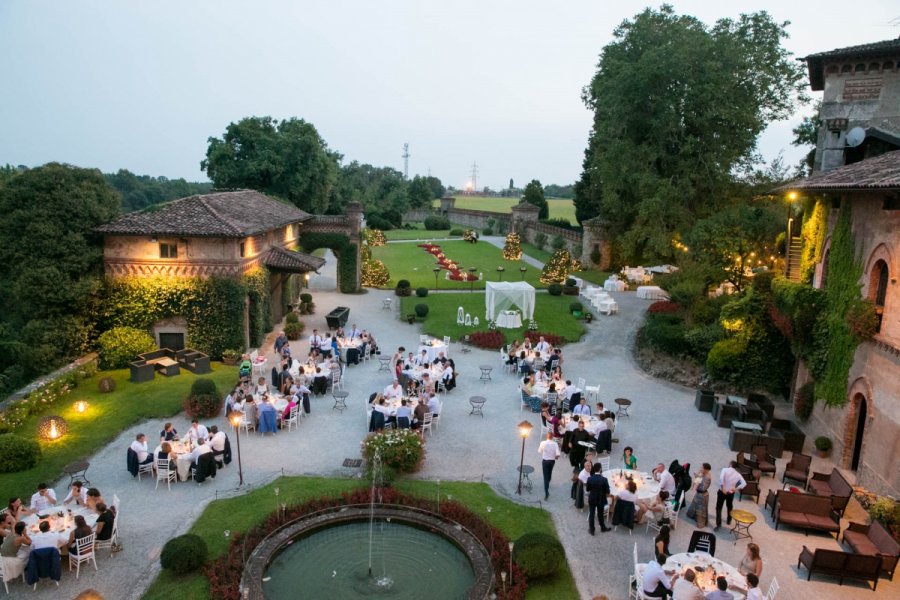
754,427
477,403
385,363
486,373
742,522
340,401
623,404
77,469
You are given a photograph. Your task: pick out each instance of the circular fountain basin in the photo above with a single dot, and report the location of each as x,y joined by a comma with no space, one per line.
414,554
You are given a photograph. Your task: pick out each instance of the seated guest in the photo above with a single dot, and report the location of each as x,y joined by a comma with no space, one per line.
567,390
320,382
355,332
139,445
198,432
686,587
200,450
245,368
434,405
422,359
81,531
261,389
44,538
393,391
524,367
545,413
542,345
573,423
17,545
17,509
340,333
93,498
656,583
441,358
77,494
582,409
42,499
404,415
165,453
540,376
399,368
527,386
512,352
662,542
665,479
753,591
104,525
448,376
419,412
373,345
721,592
217,441
656,506
169,434
286,413
556,374
7,525
427,384
526,345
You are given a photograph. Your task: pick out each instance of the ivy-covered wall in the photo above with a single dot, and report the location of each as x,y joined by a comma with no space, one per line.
813,236
257,283
346,251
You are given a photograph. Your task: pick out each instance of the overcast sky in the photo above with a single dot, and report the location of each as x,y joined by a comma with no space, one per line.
141,85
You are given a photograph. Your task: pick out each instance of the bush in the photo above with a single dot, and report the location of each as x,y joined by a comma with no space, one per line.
539,554
374,273
540,240
291,317
422,292
887,512
725,359
106,385
663,307
393,217
403,288
557,243
489,340
421,310
576,306
700,340
401,450
487,231
561,223
805,400
570,281
305,297
18,453
293,330
665,332
823,444
436,223
184,554
554,289
121,345
456,231
378,222
204,400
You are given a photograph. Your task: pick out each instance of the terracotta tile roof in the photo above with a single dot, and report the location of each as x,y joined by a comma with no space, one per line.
881,172
220,214
288,260
815,62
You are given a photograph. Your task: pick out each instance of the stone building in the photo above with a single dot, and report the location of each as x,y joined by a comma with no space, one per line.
223,234
861,86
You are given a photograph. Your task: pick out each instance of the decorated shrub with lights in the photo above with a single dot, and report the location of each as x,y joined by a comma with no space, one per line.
374,273
512,248
556,270
373,237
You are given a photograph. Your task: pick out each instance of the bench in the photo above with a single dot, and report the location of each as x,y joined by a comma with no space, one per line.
806,511
874,540
831,484
141,371
794,438
844,565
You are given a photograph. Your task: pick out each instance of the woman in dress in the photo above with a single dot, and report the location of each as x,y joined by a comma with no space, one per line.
699,508
81,531
629,459
17,509
752,561
662,542
546,417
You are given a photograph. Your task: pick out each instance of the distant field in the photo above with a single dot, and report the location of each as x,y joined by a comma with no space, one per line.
559,208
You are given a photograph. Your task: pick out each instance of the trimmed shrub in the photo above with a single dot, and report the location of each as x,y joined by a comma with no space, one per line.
403,288
184,554
106,385
823,444
204,401
554,289
562,223
487,231
291,317
436,223
294,329
489,340
725,359
540,240
700,340
374,273
570,281
557,243
805,400
456,232
666,332
378,222
550,338
305,297
576,306
121,345
539,554
663,307
18,453
421,310
401,450
422,292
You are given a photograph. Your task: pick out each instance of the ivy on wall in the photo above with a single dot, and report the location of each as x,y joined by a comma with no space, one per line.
257,282
813,236
345,250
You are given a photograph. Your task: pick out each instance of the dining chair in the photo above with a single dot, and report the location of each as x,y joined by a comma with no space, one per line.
773,589
426,424
146,468
10,570
85,553
164,473
113,540
293,419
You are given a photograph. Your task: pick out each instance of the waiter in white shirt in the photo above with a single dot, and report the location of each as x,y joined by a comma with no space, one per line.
730,481
139,445
43,498
315,340
549,451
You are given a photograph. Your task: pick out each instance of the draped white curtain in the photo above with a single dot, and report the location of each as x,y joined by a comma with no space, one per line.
501,295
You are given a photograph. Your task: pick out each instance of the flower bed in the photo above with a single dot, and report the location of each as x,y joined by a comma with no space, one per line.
663,307
401,450
48,393
489,340
224,574
445,263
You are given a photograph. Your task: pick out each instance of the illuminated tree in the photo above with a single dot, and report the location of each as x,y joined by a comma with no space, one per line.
557,268
374,273
512,249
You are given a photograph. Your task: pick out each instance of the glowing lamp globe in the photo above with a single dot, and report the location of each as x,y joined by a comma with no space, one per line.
52,428
80,407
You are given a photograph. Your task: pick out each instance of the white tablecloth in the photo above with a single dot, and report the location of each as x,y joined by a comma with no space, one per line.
432,350
614,285
647,488
606,306
509,319
679,563
651,292
64,525
592,292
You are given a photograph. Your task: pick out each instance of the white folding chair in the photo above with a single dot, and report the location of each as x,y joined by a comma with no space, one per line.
293,419
604,462
423,339
10,570
164,473
773,590
145,469
447,343
656,524
113,538
592,392
426,424
85,553
581,383
337,379
367,355
115,503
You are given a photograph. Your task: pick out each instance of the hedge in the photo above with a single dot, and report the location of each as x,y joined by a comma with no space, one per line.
184,554
18,453
121,345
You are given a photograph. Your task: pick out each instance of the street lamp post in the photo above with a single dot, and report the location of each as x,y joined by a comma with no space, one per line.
524,431
235,419
500,270
472,279
522,271
436,271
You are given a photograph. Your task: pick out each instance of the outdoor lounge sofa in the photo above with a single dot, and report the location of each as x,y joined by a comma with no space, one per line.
724,413
142,371
845,565
831,484
794,438
193,360
704,400
806,511
874,540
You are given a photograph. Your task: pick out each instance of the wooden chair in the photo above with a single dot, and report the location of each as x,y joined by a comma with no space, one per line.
765,460
797,469
85,553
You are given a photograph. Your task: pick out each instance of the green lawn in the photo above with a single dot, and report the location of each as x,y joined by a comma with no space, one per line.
417,234
243,512
106,417
408,261
551,313
560,208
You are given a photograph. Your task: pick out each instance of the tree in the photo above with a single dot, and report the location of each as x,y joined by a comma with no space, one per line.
50,266
559,191
534,194
141,191
512,247
420,193
807,134
678,108
437,188
287,159
511,186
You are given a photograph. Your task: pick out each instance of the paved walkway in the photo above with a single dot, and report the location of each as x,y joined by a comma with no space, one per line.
663,426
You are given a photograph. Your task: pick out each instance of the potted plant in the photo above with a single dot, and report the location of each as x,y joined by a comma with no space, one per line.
231,356
577,309
411,318
823,446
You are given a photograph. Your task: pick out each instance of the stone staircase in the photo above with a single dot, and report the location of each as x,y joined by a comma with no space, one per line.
792,261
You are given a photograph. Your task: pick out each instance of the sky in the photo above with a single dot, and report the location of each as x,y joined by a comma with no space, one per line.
142,85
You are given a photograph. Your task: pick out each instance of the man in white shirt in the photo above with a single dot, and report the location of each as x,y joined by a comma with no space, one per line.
199,451
729,482
45,538
43,498
77,494
314,340
656,583
686,587
582,408
599,426
355,332
542,346
325,345
393,391
139,445
217,441
753,591
665,479
549,451
197,433
434,405
422,359
568,390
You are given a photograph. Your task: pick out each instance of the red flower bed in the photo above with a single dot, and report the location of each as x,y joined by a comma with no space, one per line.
666,307
550,338
445,263
224,574
489,340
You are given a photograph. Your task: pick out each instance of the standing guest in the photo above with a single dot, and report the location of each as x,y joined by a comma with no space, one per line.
82,530
720,593
656,583
549,451
598,489
582,477
752,562
198,433
139,445
730,481
582,408
43,498
104,525
77,494
94,499
686,588
662,542
314,341
280,341
699,508
628,458
169,434
753,591
17,545
17,509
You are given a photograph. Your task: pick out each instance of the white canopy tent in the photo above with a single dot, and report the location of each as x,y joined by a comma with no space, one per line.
500,295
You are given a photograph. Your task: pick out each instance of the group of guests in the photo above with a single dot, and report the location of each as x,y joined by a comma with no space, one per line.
439,372
203,441
523,355
658,584
409,415
17,543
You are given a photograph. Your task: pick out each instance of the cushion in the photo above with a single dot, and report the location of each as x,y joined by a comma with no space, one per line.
792,518
795,475
860,542
821,488
824,523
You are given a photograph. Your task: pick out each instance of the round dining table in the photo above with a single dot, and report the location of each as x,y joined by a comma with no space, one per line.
61,519
707,568
647,487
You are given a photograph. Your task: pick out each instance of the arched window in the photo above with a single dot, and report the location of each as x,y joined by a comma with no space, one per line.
860,68
873,67
847,69
888,66
878,282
